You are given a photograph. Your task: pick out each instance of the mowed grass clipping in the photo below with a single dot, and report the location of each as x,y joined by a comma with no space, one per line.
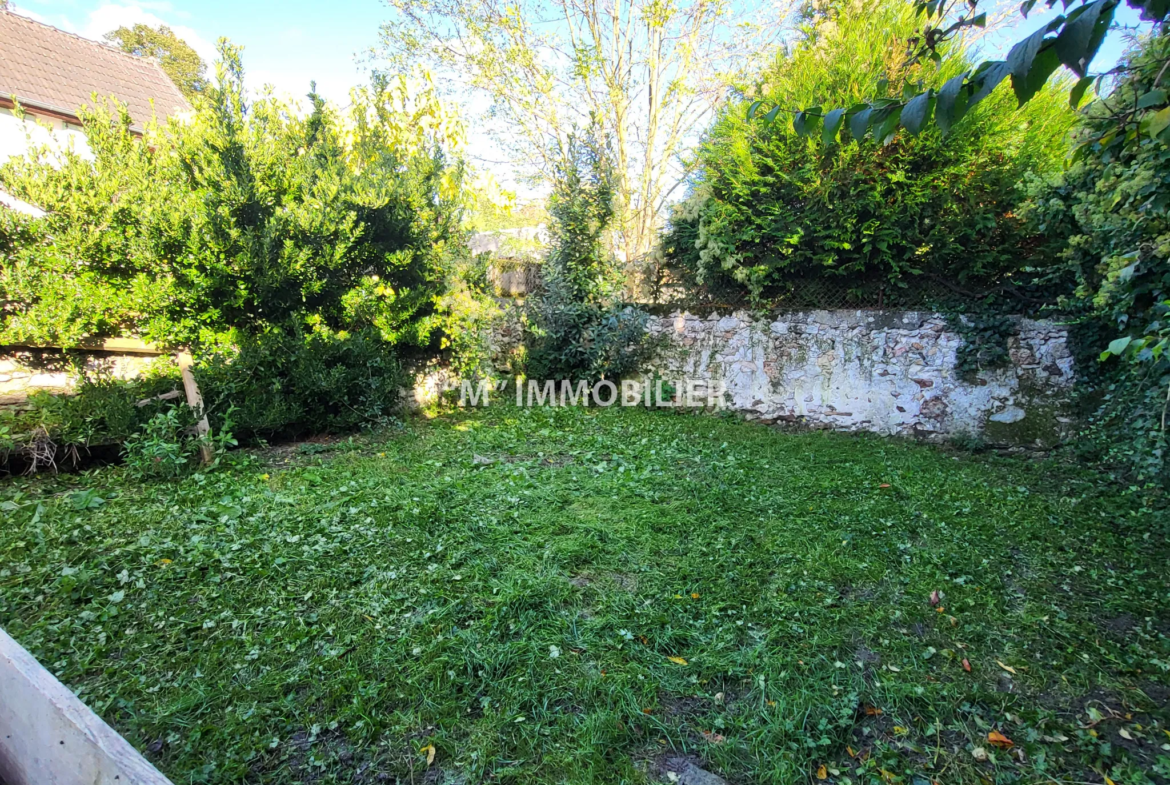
596,596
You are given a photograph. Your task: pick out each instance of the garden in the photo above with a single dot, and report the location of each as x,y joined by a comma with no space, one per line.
301,573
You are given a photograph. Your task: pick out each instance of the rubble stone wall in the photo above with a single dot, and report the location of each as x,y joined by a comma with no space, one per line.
890,372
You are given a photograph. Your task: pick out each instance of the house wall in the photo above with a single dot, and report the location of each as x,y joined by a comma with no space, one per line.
17,135
889,372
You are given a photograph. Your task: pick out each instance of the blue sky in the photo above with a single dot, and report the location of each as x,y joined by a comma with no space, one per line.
285,43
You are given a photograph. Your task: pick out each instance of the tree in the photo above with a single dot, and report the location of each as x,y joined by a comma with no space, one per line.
648,72
182,63
1071,40
577,326
781,217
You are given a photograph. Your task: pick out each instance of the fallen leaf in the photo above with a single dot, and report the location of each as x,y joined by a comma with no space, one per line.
872,711
677,660
713,737
852,754
1007,668
979,754
999,740
894,668
884,485
822,773
940,609
934,598
430,751
1124,734
694,595
1109,781
163,562
966,665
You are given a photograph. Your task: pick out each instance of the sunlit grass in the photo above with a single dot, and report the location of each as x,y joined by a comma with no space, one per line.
589,596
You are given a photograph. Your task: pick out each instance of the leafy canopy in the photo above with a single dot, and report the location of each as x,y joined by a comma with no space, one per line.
1071,39
182,63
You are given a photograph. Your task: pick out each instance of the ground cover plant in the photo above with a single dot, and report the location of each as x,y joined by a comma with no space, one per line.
568,595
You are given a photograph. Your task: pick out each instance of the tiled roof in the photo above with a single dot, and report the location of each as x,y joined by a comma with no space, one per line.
51,69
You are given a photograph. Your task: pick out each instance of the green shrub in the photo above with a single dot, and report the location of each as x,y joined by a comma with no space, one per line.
577,326
1110,215
771,212
286,383
167,448
249,216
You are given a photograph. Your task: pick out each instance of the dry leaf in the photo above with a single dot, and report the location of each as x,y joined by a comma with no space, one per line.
677,660
1007,668
999,740
979,754
713,737
430,751
822,773
694,595
872,711
1124,734
852,754
966,665
884,485
934,598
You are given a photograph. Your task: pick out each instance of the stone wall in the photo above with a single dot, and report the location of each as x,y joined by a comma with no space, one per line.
24,371
882,371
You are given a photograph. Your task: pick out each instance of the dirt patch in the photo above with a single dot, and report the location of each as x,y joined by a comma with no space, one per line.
686,770
624,581
684,707
1119,626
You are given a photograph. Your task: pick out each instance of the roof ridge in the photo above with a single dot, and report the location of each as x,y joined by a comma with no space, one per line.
109,47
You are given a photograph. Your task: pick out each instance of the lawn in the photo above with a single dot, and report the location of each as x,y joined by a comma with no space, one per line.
600,596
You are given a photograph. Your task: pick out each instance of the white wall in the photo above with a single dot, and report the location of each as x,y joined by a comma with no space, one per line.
17,135
886,371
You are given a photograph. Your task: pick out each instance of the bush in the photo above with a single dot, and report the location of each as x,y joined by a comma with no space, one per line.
166,448
1110,215
771,211
247,217
577,326
293,383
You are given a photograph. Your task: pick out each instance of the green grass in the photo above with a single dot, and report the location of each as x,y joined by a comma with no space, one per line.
323,616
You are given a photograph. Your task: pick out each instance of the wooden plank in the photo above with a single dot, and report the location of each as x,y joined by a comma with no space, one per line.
49,737
113,345
195,401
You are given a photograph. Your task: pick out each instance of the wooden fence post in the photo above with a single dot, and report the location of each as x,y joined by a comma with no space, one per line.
195,401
